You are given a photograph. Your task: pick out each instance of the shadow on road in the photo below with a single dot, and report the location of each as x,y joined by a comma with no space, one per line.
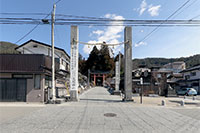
100,100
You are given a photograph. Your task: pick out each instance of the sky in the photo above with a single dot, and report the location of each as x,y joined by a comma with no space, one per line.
168,42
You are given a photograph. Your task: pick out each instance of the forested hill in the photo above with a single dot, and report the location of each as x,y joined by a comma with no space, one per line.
8,48
149,62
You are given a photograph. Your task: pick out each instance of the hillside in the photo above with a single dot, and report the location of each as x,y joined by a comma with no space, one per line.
149,62
8,48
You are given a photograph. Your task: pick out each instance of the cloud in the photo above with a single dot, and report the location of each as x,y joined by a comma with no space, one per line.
143,7
140,44
154,10
88,48
110,34
98,32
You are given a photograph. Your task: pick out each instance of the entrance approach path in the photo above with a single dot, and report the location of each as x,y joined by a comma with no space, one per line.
98,111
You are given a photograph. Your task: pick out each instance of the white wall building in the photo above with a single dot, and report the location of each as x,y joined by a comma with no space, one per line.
175,67
192,77
36,47
62,65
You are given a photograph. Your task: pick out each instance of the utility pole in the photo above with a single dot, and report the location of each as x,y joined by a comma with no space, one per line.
52,52
141,90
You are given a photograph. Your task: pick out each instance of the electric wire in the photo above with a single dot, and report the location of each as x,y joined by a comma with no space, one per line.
31,30
194,17
103,24
185,8
34,26
57,15
89,21
150,33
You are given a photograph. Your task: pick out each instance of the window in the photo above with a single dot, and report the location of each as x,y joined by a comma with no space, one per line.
62,62
195,84
193,73
35,46
48,81
187,77
158,75
37,78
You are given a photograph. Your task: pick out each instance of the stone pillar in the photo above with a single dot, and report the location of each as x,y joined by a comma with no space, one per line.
117,76
74,64
128,64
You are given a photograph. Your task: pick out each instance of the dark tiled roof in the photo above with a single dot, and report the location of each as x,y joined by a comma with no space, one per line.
22,63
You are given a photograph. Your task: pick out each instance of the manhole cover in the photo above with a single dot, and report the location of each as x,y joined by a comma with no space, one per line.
110,115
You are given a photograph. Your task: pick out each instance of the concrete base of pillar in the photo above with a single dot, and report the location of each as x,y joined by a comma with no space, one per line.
117,92
53,102
74,96
127,100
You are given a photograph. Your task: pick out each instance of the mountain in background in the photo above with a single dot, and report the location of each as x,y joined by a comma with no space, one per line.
8,48
150,62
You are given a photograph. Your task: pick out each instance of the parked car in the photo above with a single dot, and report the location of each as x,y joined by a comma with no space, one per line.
187,91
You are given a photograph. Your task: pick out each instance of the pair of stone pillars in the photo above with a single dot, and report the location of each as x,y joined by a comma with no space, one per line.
127,59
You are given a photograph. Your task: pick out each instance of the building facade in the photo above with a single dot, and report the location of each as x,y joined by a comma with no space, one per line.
36,47
26,77
175,67
191,78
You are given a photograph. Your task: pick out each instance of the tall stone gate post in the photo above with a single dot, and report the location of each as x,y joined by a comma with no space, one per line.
74,64
128,64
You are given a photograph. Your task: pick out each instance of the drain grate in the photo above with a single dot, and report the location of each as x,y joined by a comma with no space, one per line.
110,114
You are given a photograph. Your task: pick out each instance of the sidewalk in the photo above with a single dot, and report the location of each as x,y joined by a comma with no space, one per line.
21,104
170,101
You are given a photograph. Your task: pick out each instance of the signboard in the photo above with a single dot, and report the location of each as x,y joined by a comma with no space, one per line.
141,81
74,67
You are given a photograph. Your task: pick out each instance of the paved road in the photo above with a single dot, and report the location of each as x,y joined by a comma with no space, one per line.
88,115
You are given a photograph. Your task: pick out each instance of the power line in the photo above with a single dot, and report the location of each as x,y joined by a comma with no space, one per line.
114,21
185,8
195,17
58,15
104,24
57,1
31,30
35,26
148,35
23,13
84,22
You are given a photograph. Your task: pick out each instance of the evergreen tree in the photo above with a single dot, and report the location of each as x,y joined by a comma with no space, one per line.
99,60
